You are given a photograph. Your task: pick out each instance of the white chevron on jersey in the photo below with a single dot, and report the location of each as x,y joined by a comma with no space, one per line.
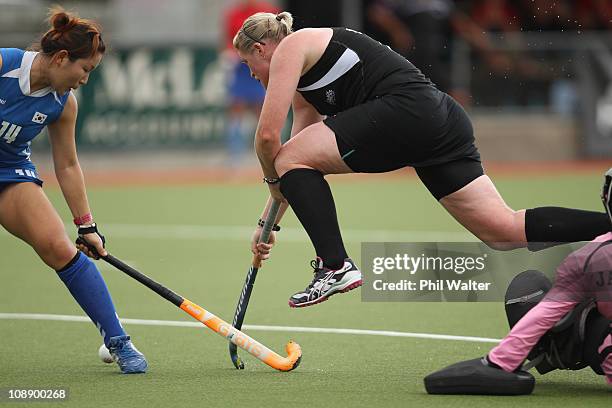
344,64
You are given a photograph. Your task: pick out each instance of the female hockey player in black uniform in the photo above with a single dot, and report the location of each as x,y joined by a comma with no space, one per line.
360,107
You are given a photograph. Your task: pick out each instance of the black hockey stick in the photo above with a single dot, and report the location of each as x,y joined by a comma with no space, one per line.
245,295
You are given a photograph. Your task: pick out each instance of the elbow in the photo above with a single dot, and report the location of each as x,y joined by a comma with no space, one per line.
267,139
66,166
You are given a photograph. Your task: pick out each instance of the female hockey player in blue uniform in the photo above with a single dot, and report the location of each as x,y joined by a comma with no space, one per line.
35,91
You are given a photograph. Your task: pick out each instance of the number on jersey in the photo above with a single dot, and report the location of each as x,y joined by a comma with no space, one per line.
9,132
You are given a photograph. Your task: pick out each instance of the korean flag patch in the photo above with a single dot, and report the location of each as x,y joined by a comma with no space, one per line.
39,118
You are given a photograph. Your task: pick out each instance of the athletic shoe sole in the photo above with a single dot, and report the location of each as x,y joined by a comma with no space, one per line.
342,289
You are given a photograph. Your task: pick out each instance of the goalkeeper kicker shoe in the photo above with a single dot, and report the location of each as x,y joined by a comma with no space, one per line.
327,282
129,359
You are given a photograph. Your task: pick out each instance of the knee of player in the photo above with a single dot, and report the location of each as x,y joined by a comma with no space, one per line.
503,246
57,252
503,235
501,239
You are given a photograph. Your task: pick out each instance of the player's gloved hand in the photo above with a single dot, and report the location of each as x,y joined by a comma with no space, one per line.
93,237
262,250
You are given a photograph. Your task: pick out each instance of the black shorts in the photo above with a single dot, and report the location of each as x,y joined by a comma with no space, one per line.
428,131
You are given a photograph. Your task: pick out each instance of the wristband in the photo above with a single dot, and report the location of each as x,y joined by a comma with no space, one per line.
91,229
271,180
85,219
261,223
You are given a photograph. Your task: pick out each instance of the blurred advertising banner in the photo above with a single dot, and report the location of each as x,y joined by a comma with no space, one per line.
147,97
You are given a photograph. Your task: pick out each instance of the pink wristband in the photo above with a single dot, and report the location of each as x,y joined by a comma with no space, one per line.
85,219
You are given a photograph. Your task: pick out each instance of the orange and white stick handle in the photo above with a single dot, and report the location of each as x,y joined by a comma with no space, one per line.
245,342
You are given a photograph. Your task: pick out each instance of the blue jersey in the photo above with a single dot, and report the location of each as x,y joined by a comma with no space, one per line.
23,114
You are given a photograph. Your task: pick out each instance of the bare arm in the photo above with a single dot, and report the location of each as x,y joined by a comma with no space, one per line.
67,168
285,71
281,210
304,115
286,68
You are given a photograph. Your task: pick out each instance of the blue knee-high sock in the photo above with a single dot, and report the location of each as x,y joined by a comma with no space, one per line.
84,281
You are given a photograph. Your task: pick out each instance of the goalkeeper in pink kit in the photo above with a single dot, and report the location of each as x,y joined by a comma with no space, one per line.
566,325
583,275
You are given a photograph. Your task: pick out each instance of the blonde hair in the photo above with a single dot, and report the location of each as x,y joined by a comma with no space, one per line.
262,26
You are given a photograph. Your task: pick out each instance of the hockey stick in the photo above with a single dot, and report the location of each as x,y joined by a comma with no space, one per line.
221,327
245,295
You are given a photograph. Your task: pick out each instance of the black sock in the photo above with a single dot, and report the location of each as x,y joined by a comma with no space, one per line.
557,225
312,202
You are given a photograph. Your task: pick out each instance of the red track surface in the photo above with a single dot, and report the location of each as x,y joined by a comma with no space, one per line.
207,175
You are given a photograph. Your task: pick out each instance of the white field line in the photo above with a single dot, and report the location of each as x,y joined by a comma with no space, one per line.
291,329
288,234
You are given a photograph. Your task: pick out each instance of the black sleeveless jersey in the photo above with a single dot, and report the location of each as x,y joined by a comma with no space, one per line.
354,69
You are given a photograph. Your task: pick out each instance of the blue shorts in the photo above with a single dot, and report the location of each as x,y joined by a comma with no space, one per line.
244,88
20,174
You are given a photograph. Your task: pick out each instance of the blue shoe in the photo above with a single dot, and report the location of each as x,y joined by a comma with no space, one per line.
129,359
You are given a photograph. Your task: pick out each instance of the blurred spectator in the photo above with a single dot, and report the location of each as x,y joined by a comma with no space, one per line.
551,83
517,75
594,14
495,15
421,30
245,94
315,13
546,15
416,29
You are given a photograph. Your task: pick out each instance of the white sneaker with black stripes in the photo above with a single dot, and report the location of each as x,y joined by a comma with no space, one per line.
327,282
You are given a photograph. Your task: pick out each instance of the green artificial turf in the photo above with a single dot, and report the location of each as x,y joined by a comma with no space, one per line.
195,240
